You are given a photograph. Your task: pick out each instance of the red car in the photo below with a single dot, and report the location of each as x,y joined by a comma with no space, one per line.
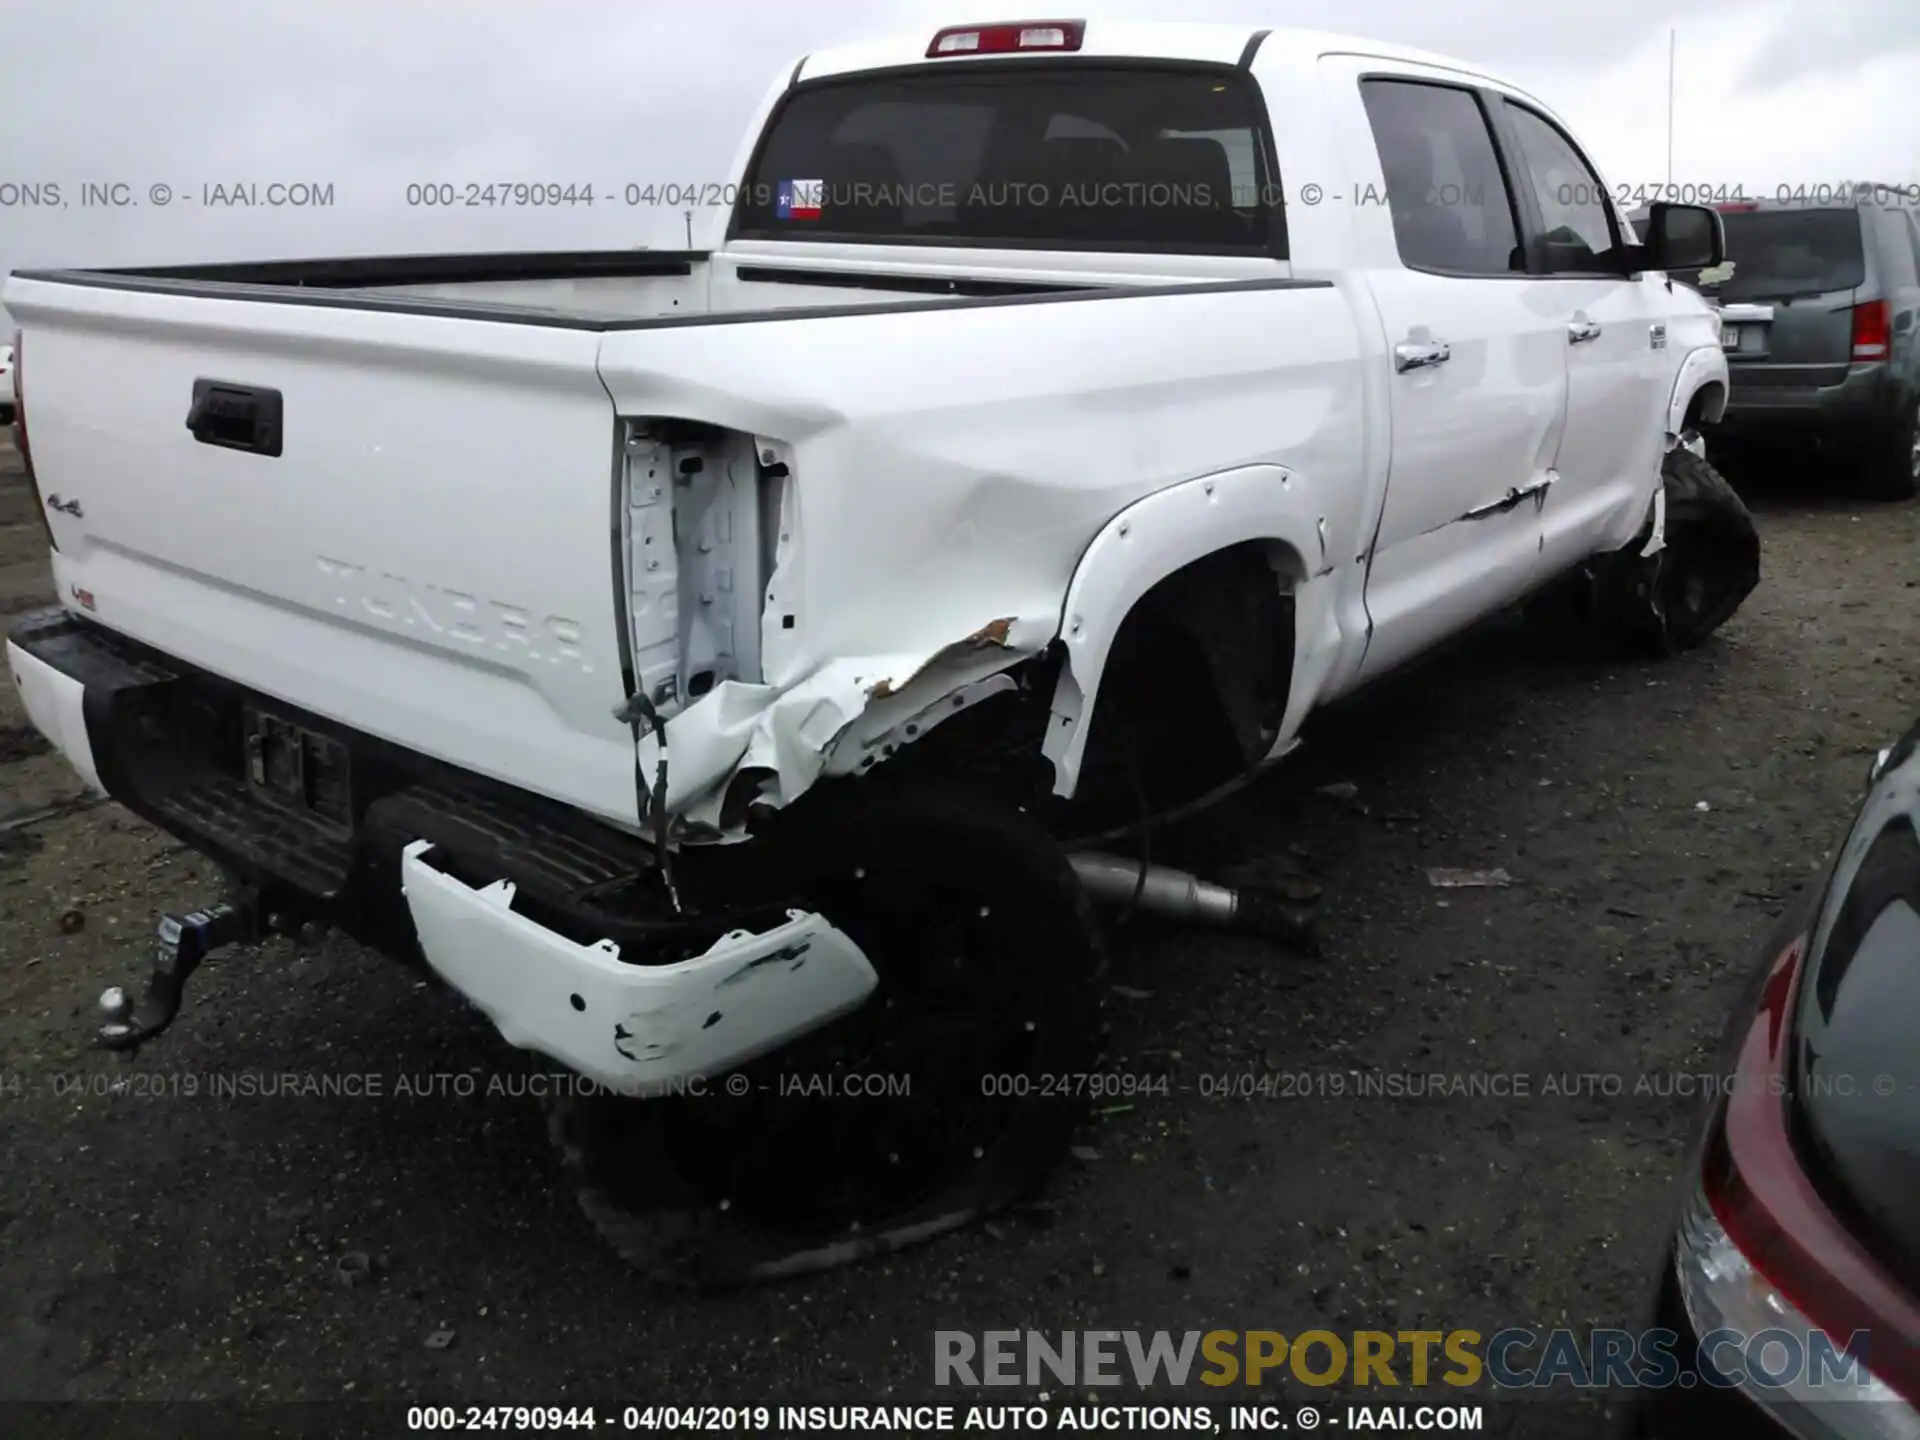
1793,1280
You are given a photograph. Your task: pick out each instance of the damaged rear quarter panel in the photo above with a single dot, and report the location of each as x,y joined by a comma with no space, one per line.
950,467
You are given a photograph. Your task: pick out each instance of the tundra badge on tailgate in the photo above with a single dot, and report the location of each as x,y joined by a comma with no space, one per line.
400,603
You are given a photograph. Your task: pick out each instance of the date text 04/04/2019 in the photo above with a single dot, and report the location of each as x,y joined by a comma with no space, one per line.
691,194
937,1419
758,1419
943,1419
750,1419
558,194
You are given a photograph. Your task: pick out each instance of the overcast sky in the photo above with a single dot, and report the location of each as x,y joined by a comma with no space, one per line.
368,97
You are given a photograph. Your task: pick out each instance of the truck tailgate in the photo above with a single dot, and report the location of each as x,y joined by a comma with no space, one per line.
428,558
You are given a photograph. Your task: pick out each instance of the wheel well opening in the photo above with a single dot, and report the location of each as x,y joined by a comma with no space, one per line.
1196,684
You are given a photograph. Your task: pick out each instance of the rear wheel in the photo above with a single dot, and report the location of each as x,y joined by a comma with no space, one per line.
1890,470
923,1110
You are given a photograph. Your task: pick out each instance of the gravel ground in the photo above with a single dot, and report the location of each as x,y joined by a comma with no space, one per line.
157,1244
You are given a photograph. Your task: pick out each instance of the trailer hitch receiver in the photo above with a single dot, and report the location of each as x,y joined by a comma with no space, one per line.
184,941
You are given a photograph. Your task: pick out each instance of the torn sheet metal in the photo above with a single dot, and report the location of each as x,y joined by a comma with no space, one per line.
1657,541
870,739
1534,490
831,722
993,635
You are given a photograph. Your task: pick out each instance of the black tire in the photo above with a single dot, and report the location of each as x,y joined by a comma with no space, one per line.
1890,469
721,1191
1675,599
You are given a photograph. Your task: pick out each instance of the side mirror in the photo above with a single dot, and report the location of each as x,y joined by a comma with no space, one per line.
1682,237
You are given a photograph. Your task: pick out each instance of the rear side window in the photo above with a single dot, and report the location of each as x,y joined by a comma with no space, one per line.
1445,190
1778,254
1072,157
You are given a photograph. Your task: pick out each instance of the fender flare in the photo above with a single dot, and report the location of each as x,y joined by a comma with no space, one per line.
1141,546
1703,367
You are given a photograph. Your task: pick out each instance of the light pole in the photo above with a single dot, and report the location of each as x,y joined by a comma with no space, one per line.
1672,40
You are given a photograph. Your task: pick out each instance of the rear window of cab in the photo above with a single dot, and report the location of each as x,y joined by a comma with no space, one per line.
1065,156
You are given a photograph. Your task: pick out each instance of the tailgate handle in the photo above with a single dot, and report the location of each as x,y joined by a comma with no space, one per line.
235,417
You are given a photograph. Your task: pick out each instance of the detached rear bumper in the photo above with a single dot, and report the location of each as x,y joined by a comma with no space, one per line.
491,888
635,1027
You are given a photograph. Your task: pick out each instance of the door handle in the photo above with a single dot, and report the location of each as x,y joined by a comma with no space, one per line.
1581,331
1419,354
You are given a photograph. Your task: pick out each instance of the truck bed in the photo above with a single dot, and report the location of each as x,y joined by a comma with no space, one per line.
448,547
630,289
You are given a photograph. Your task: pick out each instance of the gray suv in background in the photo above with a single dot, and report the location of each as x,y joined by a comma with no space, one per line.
1819,319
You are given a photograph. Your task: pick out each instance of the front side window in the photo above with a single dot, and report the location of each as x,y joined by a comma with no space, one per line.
1576,218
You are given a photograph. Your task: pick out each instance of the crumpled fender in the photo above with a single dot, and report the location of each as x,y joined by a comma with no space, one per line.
839,720
855,712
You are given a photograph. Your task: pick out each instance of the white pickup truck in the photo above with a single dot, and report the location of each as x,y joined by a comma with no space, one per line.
696,659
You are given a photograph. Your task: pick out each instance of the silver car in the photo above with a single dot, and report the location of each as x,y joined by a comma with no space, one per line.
1818,320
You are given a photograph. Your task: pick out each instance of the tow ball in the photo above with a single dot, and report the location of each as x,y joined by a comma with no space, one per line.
183,942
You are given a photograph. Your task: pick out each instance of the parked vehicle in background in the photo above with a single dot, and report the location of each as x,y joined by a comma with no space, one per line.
1799,1215
1818,318
1018,459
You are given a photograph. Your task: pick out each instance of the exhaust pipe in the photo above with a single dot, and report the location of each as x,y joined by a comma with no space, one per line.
1175,895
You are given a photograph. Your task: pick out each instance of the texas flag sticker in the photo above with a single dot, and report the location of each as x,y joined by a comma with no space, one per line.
800,199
